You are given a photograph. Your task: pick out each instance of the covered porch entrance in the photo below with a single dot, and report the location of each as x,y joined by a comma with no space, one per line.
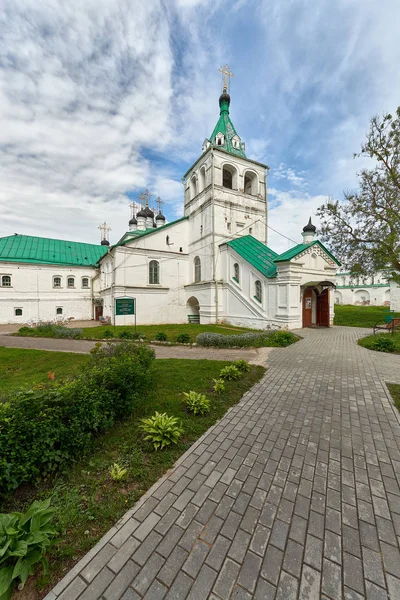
316,303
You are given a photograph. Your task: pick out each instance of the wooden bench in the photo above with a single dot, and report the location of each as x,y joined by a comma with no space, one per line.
390,325
194,319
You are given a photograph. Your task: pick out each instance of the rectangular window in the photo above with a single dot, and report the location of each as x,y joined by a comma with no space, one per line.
18,312
239,225
229,226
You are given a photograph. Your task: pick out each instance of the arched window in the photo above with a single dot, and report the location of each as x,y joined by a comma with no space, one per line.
6,281
57,282
154,272
236,272
71,282
85,282
193,186
202,179
229,177
18,312
219,139
250,183
197,269
59,310
258,290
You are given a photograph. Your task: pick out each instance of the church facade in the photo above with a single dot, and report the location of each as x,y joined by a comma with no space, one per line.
212,265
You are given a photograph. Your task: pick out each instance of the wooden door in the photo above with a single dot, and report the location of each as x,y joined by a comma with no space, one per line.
307,308
323,308
98,312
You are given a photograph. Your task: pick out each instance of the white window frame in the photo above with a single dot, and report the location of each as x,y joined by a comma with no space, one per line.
2,277
151,275
57,277
71,287
15,311
59,308
85,287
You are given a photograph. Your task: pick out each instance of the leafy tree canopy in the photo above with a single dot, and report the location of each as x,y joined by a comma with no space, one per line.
364,230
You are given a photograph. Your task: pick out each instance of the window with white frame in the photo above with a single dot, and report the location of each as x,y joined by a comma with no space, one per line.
18,312
236,272
56,282
197,269
258,290
85,282
71,282
6,280
154,272
59,310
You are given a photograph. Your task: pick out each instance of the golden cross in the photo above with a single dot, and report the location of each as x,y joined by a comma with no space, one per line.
159,203
134,206
104,228
144,197
226,77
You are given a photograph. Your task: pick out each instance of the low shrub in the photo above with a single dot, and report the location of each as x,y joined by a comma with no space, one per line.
125,334
24,541
229,373
183,338
108,333
197,403
161,336
382,343
162,430
283,338
24,330
138,336
242,365
74,333
117,472
43,430
219,386
246,340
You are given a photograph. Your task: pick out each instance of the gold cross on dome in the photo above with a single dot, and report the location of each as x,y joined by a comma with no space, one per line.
144,197
226,77
159,203
104,228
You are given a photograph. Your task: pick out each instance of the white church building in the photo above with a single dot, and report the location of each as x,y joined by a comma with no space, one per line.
211,265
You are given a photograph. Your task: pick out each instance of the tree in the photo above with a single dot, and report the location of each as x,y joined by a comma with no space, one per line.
364,230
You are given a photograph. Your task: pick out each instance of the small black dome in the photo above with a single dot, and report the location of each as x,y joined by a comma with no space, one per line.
160,217
310,227
105,243
149,212
141,213
224,96
133,221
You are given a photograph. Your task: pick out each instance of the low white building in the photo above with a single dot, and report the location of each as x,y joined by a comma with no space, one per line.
374,291
211,265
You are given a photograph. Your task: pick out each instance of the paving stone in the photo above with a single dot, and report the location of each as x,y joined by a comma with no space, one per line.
74,589
203,584
271,565
260,539
146,548
121,581
239,546
147,574
313,552
90,571
157,591
310,584
180,587
226,579
249,572
373,567
279,534
96,588
293,558
287,587
331,579
353,572
196,558
218,552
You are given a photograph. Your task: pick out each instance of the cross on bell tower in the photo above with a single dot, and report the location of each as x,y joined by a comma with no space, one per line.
226,78
104,228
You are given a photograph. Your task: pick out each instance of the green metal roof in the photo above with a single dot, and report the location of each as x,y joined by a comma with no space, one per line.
292,252
133,235
225,126
30,249
256,253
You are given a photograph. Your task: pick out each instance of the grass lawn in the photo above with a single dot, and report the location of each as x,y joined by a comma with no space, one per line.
394,390
360,316
380,342
172,331
87,500
20,368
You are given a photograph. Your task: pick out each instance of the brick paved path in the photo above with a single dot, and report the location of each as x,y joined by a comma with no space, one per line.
293,494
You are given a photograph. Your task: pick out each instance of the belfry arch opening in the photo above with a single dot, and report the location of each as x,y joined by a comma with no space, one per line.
229,177
250,183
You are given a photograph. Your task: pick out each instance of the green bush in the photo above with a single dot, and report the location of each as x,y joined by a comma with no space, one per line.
229,373
125,334
162,430
161,336
73,333
108,333
283,338
242,365
219,386
383,343
24,540
246,340
197,403
183,338
24,330
43,430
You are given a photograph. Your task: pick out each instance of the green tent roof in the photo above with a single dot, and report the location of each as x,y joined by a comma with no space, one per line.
292,252
225,126
256,253
133,235
30,249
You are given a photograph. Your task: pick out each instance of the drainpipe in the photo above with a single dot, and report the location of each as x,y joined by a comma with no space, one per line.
266,206
214,276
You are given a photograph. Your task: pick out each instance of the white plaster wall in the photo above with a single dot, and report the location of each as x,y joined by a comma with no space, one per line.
32,290
394,296
349,290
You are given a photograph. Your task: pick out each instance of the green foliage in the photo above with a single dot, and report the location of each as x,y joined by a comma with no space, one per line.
364,231
161,336
107,333
51,330
73,333
162,430
197,403
117,472
24,330
24,540
229,373
246,340
219,386
43,430
242,365
183,338
360,316
125,334
383,342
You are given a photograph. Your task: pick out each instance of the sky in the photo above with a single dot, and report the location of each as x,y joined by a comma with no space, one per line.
102,99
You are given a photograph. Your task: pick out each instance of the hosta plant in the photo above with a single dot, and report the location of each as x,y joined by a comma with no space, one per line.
229,373
161,336
242,365
117,472
162,430
24,540
183,338
197,403
219,386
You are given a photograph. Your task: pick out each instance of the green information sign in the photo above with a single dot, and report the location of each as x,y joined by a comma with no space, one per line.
124,306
